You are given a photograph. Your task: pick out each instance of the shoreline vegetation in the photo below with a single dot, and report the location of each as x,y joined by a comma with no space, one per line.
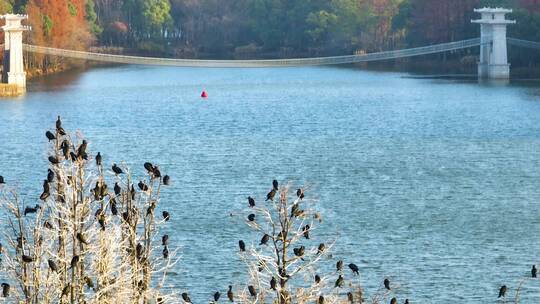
247,29
94,235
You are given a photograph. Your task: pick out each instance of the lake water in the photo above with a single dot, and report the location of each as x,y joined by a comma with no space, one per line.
434,183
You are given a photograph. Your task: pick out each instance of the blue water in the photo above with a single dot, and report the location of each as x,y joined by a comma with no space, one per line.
433,183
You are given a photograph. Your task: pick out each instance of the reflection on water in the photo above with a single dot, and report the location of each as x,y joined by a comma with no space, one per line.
431,182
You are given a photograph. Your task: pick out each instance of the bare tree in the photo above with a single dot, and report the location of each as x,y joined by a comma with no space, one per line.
86,241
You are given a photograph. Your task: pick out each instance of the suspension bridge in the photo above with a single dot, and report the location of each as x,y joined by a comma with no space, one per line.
493,63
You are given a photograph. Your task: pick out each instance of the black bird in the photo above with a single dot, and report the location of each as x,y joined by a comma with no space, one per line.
28,210
387,284
165,252
148,166
339,265
156,172
339,282
139,251
5,290
534,271
502,292
166,180
46,190
117,189
230,294
242,246
251,202
320,300
166,216
50,175
27,259
252,291
185,297
82,238
98,159
143,186
273,283
81,150
53,160
393,301
65,148
295,210
251,217
300,193
165,240
350,297
132,191
89,282
271,194
114,210
354,268
217,295
101,221
406,301
1,248
59,127
317,279
66,289
48,225
275,184
50,135
73,156
321,248
117,169
2,180
74,261
306,231
299,252
265,239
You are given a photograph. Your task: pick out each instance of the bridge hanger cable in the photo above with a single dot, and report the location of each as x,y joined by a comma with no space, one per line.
386,55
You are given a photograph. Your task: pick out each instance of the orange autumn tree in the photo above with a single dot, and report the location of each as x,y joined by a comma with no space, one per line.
59,24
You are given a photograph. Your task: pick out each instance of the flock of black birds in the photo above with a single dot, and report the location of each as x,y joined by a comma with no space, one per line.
100,191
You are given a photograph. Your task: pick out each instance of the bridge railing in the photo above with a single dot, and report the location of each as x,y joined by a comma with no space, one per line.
524,43
387,55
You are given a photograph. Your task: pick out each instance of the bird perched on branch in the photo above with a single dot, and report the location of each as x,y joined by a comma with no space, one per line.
354,268
502,292
534,271
185,297
217,295
117,189
251,202
321,248
339,265
242,246
275,184
393,301
2,181
165,240
252,291
27,259
5,290
53,160
59,128
387,284
166,216
74,261
320,300
98,159
317,279
273,283
230,294
339,282
265,239
52,265
116,169
148,166
251,217
50,135
166,180
350,297
28,210
300,193
271,194
50,175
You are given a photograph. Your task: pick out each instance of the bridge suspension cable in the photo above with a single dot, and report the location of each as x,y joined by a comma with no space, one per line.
524,43
387,55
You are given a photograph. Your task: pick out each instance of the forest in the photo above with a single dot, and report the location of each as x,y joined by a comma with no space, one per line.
244,29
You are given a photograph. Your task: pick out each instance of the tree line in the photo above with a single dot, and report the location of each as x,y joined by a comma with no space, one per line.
263,28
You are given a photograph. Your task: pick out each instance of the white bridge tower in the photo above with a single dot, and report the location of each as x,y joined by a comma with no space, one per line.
493,62
13,72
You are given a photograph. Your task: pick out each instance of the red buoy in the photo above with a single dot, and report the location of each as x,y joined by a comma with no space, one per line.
204,94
